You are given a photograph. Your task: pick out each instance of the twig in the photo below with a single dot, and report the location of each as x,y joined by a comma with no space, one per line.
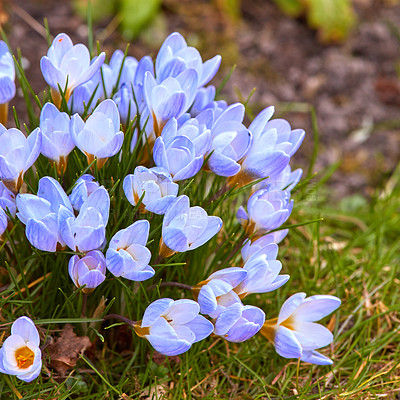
35,25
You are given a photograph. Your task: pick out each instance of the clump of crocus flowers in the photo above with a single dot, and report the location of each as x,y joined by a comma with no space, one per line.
166,110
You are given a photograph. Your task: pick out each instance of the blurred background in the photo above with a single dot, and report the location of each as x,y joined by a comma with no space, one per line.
340,57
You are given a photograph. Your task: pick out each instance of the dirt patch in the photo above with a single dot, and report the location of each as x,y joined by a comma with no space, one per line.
354,86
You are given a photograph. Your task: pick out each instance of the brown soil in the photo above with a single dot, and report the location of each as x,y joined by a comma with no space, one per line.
353,86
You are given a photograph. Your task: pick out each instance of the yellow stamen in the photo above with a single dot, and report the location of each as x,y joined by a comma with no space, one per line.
24,357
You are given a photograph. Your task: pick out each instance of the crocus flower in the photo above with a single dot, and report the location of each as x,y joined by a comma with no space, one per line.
265,211
238,323
56,138
176,154
217,292
230,140
43,214
186,228
157,186
262,276
127,254
295,334
99,137
170,98
68,66
274,142
7,77
20,354
17,154
7,203
204,96
88,271
87,231
172,327
83,188
285,180
175,56
266,244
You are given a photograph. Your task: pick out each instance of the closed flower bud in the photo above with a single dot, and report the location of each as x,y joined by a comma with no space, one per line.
265,211
7,77
87,231
175,56
56,138
83,188
88,271
238,323
99,136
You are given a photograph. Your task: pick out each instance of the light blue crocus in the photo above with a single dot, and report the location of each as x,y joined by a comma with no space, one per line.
295,334
170,98
127,255
17,154
238,323
265,211
266,244
43,214
7,203
156,187
20,354
172,326
274,142
88,271
7,75
186,228
83,188
68,66
99,136
87,231
217,292
204,97
230,140
175,56
56,138
262,276
178,154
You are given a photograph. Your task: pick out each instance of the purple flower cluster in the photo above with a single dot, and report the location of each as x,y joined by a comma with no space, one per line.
184,129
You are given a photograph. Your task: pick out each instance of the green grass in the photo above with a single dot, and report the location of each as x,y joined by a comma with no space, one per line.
353,254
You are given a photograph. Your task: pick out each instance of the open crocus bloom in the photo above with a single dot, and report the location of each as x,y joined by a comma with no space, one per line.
173,326
127,255
68,66
17,154
20,354
295,334
186,228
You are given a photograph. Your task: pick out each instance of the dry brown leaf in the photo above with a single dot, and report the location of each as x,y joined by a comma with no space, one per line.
65,351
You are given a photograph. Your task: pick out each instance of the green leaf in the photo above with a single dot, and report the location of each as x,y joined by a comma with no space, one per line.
136,14
333,18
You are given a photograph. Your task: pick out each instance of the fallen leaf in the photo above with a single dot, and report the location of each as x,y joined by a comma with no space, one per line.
65,351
